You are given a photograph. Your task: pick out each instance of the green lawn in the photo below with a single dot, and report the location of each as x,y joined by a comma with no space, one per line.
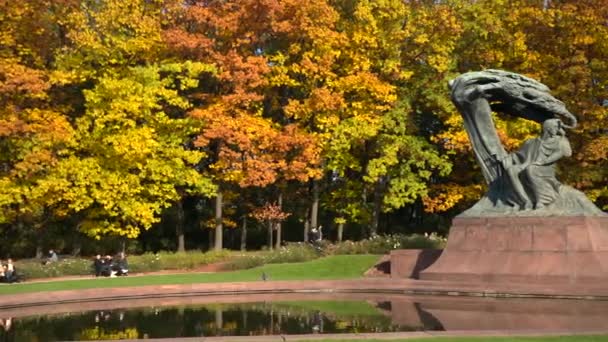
487,339
332,267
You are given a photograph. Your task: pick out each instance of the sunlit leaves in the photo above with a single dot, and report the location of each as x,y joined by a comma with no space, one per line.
111,110
137,156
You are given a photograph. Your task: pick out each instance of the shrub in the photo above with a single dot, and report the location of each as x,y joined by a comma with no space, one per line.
174,261
382,244
149,262
292,252
33,268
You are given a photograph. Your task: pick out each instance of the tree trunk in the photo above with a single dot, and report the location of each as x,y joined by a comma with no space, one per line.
211,238
315,205
340,230
179,227
244,234
307,225
218,222
278,224
377,208
270,224
77,244
39,251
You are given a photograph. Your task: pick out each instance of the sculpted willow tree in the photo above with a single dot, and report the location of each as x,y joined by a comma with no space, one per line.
523,182
524,37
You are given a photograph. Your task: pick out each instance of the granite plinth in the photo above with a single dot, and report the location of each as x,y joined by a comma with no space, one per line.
544,250
407,263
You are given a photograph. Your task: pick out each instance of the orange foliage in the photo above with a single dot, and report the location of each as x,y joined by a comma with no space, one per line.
270,212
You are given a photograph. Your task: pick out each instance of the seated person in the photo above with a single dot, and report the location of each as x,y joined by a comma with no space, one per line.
122,266
52,257
9,272
105,266
109,267
2,272
98,265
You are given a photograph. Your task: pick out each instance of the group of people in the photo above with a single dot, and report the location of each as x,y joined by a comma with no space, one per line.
7,272
108,267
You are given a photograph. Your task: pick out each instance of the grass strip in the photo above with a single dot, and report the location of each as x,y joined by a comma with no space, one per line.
328,268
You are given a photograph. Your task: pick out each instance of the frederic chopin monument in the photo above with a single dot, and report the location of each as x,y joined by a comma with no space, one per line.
528,227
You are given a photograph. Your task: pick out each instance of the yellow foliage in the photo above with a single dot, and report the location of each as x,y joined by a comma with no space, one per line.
445,196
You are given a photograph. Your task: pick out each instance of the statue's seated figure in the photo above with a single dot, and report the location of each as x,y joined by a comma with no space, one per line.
531,170
524,180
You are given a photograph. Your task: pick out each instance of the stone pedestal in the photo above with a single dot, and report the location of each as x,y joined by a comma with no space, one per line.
407,263
541,250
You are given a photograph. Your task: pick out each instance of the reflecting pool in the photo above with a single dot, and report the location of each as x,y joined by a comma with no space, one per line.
262,318
275,314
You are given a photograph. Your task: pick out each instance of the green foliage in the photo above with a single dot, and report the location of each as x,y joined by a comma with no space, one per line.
33,268
383,244
129,158
148,262
293,252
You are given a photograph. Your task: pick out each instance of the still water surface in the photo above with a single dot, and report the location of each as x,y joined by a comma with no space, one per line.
206,320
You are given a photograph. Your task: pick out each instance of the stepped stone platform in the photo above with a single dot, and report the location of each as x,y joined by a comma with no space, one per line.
524,250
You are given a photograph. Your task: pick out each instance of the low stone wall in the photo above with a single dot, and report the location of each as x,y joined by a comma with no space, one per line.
407,263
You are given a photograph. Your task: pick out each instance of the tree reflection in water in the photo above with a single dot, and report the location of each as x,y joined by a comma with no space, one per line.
205,320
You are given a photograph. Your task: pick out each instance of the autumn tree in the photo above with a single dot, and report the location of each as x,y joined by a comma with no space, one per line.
128,159
272,215
246,146
34,130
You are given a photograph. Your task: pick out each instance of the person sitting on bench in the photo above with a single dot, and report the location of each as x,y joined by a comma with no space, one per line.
98,265
121,266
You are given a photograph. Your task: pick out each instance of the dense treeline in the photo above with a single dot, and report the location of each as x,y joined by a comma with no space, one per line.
201,118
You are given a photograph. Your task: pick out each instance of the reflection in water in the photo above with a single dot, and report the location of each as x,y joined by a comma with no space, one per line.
207,320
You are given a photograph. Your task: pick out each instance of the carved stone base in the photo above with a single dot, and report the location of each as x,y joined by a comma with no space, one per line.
524,250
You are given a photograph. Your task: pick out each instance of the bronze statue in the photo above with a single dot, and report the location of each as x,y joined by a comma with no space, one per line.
522,183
